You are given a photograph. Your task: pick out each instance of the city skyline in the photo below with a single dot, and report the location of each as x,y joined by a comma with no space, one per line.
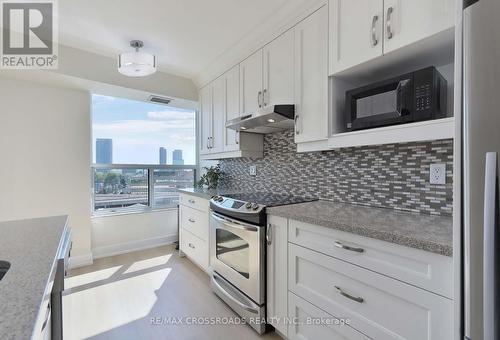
138,129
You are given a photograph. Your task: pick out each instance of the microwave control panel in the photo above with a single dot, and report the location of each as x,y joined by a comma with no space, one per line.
423,97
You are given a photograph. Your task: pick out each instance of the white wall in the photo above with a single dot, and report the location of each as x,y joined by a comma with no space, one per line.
118,234
45,155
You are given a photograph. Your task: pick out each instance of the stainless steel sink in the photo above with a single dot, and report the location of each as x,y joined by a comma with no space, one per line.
4,268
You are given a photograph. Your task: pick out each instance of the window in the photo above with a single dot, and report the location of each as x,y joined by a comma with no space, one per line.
142,153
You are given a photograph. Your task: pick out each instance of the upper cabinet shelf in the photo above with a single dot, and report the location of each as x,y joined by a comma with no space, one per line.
414,132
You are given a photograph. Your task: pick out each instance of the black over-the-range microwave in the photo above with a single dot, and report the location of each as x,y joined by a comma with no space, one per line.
412,97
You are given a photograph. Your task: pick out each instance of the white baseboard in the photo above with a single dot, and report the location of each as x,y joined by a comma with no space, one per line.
80,261
123,248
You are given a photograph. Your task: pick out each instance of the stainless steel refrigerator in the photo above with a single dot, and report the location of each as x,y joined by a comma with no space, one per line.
480,159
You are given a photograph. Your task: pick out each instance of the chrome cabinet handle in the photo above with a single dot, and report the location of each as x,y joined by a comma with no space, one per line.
374,30
264,97
269,237
237,137
211,142
208,142
296,124
343,246
192,201
259,98
390,11
191,220
349,296
191,246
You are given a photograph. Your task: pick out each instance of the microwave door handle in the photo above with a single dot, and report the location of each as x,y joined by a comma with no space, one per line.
401,96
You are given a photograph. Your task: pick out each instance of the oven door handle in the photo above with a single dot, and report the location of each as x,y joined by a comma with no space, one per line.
216,280
233,224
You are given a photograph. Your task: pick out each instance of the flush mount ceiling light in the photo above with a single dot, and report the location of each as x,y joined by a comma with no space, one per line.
136,64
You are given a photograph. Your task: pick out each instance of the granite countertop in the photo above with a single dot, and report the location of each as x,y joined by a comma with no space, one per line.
31,247
425,232
206,193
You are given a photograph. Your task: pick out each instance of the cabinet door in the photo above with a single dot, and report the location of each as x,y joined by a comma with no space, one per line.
205,119
232,79
408,21
355,32
277,273
278,70
218,115
311,82
251,83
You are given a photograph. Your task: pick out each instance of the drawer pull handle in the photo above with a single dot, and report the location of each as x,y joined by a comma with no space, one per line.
343,246
191,220
192,201
354,298
191,245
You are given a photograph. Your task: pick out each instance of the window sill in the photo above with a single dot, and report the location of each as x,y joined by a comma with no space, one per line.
124,211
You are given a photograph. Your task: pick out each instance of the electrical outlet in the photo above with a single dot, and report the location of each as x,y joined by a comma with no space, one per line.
253,170
438,173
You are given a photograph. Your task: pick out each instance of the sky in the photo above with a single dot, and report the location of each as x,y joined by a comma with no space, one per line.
138,130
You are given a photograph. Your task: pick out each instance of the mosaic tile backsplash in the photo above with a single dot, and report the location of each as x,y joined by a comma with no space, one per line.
392,176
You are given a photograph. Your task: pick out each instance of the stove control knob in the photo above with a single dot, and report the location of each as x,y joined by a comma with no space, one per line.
215,198
255,206
220,199
248,205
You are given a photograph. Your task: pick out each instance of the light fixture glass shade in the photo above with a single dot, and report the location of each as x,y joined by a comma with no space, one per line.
136,64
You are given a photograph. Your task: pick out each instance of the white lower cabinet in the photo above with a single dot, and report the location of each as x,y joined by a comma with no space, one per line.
308,322
376,305
277,268
194,229
336,291
194,247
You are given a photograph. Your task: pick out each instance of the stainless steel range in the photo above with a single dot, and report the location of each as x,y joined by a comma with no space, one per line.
238,251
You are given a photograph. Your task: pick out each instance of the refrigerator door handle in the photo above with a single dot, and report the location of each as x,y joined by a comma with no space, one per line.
490,230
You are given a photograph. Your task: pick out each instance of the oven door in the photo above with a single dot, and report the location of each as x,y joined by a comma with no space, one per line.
237,252
387,103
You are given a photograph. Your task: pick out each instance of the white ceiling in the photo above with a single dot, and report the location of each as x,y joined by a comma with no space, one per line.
185,35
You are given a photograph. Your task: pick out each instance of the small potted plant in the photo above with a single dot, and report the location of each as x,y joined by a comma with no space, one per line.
210,179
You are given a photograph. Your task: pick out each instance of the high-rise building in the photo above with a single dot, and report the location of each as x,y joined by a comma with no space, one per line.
163,155
104,151
177,157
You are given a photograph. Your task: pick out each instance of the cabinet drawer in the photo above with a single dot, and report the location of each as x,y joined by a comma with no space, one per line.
195,248
194,202
315,324
378,306
195,221
423,269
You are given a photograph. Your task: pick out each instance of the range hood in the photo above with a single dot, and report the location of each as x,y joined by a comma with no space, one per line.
269,119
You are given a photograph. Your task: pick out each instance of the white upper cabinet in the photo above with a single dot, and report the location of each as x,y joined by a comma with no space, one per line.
355,32
218,115
408,21
205,119
362,30
219,103
278,70
251,83
232,110
311,77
